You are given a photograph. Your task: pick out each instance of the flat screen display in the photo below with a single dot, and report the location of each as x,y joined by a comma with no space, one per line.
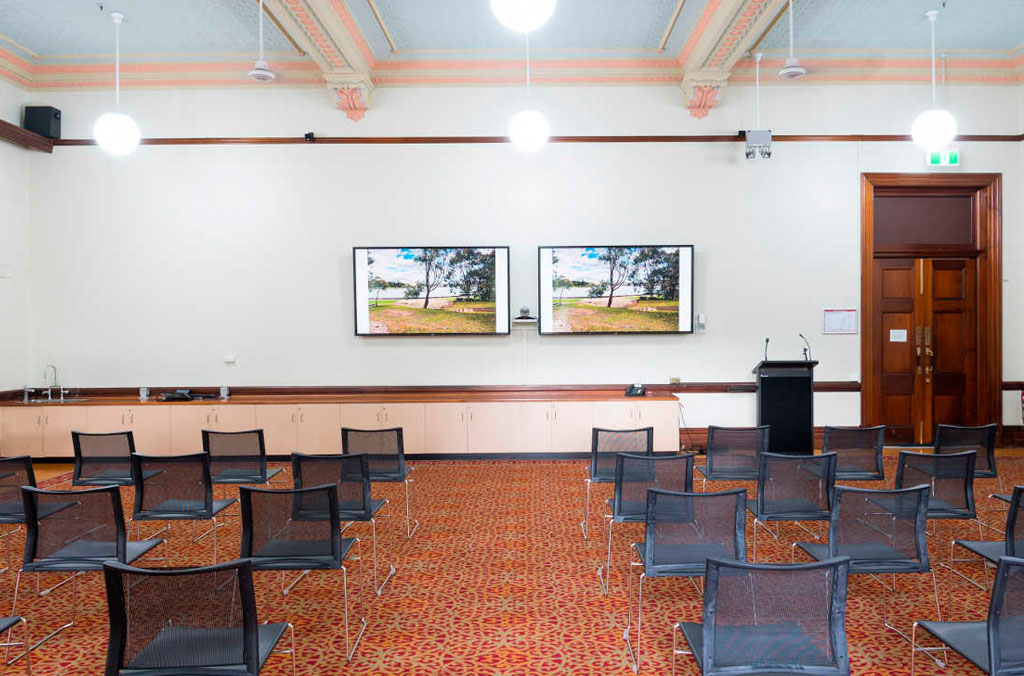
406,291
616,289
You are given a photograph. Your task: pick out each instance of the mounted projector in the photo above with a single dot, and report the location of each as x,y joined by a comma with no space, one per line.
759,142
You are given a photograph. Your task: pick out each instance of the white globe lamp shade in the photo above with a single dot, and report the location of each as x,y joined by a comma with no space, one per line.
116,133
529,131
523,16
934,129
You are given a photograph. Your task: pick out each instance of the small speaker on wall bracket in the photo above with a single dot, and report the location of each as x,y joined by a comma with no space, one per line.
43,120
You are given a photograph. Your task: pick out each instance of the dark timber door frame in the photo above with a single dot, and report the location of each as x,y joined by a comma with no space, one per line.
986,249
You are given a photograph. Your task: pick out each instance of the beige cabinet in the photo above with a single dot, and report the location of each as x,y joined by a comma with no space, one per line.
571,426
187,422
279,423
149,425
318,428
529,426
410,417
444,428
22,431
58,423
489,427
661,415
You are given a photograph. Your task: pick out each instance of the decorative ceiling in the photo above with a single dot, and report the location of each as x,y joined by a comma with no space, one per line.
354,46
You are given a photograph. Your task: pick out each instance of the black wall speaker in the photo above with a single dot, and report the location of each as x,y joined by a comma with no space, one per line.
43,120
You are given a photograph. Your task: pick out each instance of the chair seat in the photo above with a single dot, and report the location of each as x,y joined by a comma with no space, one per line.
180,510
868,557
858,475
728,475
937,508
970,639
636,512
759,645
789,510
1005,497
386,477
8,622
300,555
243,476
187,647
88,555
112,476
360,515
689,560
601,478
990,550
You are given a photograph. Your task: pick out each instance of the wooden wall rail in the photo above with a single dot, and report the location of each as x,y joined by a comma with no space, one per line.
483,140
24,137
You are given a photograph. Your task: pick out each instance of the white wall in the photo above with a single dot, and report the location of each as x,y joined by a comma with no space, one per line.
14,215
149,269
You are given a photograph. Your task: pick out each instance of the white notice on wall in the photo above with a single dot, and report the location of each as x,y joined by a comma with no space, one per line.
897,335
839,320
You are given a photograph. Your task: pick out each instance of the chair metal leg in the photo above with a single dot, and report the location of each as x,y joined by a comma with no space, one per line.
285,590
74,605
585,524
291,651
379,588
775,535
675,647
604,572
7,537
894,629
409,531
923,649
25,642
634,657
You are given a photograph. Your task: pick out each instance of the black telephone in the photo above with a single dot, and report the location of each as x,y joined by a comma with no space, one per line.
177,395
636,390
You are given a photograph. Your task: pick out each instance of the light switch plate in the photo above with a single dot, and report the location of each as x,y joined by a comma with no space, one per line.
229,359
5,270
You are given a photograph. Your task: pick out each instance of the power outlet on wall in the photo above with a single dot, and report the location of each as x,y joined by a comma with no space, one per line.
5,270
674,380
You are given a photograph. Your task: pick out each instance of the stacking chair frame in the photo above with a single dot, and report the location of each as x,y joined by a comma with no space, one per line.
592,473
411,525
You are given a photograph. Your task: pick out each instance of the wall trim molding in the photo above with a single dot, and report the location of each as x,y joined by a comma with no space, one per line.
25,138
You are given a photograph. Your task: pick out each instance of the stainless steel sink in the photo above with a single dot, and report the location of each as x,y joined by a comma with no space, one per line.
67,400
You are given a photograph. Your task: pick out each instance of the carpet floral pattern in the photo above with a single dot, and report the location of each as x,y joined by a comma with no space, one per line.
498,581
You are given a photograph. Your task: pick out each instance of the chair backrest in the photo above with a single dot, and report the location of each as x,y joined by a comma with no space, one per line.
244,451
859,451
207,616
349,472
732,451
82,527
173,484
1006,619
15,472
605,444
775,618
105,456
882,531
981,439
795,487
384,449
1015,524
950,479
689,528
286,527
634,474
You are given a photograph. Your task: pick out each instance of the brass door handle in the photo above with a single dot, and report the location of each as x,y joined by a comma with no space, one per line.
918,360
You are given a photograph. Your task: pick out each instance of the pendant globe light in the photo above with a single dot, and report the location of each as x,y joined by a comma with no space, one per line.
116,132
792,70
261,69
523,16
935,128
529,130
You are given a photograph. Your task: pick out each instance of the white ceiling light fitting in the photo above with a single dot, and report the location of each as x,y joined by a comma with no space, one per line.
523,16
116,132
261,69
792,70
935,128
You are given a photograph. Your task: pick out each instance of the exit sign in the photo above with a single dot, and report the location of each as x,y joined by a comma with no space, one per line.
943,158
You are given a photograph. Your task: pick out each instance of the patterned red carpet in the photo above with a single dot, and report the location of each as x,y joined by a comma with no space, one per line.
498,581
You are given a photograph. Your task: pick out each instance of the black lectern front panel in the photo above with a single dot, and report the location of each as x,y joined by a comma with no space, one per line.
785,400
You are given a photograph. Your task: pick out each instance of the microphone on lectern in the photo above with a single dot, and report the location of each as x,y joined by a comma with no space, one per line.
766,348
807,349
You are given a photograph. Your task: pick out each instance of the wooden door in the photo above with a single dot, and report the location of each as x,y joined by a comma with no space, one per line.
925,345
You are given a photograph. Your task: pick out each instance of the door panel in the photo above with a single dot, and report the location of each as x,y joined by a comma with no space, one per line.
278,422
151,427
319,428
410,418
445,428
23,431
572,426
954,341
894,347
58,423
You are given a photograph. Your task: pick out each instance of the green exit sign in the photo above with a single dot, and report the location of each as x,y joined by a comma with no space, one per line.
943,158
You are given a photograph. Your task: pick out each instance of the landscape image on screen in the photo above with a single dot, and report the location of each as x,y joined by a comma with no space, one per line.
431,290
615,289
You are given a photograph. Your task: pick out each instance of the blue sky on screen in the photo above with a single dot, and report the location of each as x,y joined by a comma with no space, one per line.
397,265
583,263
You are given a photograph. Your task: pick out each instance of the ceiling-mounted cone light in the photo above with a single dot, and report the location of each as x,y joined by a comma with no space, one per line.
792,70
261,69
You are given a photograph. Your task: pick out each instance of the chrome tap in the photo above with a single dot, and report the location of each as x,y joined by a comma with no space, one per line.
54,384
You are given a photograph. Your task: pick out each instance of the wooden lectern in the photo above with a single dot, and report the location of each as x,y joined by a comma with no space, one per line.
785,400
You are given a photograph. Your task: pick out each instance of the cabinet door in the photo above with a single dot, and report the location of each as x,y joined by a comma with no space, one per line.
571,426
319,428
151,427
187,423
663,416
529,426
234,418
104,419
279,423
58,423
490,427
615,415
410,417
445,428
23,431
362,416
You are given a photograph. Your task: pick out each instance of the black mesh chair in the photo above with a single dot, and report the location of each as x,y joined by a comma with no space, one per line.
103,459
15,472
993,645
604,445
770,619
683,531
881,532
858,450
7,624
950,479
187,621
298,529
238,457
793,488
990,551
175,488
385,452
74,532
355,503
732,453
952,439
634,474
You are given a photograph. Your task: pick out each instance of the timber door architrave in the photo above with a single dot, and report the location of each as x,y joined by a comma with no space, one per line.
986,190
